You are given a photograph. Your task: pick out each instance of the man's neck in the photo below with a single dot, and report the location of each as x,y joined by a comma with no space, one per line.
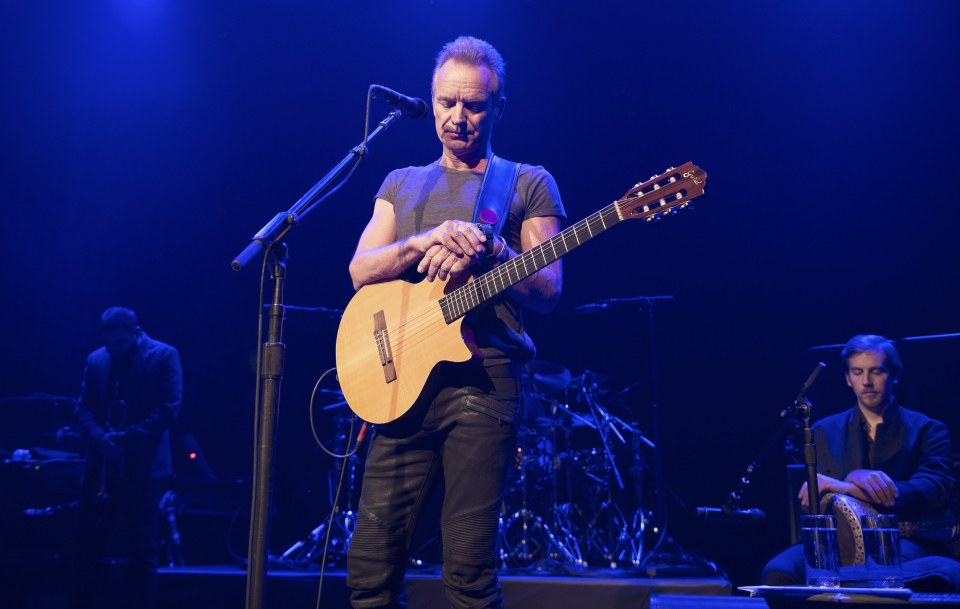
873,417
472,162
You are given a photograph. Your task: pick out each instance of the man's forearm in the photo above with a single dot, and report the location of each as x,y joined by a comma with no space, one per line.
382,263
540,291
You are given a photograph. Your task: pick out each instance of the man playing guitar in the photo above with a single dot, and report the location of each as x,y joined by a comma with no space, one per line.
462,425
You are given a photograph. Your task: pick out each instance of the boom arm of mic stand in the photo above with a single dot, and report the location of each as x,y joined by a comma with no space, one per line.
282,222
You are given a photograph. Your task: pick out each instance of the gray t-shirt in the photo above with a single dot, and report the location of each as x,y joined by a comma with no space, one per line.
425,197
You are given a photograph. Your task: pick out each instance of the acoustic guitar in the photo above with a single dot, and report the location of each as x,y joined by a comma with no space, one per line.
393,334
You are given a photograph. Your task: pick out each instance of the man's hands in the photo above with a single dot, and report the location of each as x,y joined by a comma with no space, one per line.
864,484
875,485
450,249
109,445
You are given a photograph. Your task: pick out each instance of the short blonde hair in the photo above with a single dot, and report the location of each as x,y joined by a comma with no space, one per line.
475,52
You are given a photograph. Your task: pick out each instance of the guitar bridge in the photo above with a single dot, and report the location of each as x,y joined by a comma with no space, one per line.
382,339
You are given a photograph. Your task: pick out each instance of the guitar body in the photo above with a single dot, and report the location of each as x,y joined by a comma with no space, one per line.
418,339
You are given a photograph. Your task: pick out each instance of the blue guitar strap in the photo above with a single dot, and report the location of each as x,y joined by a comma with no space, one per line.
496,192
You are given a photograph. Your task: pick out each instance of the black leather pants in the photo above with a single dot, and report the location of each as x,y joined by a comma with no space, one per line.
465,434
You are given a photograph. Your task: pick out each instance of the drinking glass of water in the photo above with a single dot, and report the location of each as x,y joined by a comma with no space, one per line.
881,545
821,550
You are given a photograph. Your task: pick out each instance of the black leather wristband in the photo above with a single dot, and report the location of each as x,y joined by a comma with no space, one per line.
488,245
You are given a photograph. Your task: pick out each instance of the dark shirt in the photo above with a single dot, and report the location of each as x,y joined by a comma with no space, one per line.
139,397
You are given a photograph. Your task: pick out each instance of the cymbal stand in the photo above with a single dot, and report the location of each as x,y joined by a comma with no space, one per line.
522,552
603,422
537,538
608,535
566,547
607,529
638,523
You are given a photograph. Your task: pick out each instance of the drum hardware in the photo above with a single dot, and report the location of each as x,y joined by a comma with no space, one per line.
547,378
567,494
302,553
608,536
536,540
340,523
170,537
524,536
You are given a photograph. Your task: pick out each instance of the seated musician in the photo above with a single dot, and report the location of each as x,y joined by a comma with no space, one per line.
878,452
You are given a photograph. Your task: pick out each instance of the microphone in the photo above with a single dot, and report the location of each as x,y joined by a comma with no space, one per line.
813,376
414,107
752,515
595,307
802,396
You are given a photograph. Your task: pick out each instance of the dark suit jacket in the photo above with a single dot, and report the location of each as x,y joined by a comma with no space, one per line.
911,448
153,391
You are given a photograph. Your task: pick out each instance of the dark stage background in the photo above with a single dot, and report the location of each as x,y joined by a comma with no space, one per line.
144,142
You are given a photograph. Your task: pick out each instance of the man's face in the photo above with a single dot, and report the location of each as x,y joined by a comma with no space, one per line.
869,378
464,107
120,341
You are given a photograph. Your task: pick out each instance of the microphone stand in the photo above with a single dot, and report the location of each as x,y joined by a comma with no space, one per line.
804,409
271,362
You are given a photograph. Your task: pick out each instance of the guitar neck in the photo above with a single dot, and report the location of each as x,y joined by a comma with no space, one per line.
464,299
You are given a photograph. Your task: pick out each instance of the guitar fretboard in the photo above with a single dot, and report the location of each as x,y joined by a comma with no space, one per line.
464,299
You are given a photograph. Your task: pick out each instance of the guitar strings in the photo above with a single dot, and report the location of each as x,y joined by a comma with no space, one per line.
420,326
416,329
466,297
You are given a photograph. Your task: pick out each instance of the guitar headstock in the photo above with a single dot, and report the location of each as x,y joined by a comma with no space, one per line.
664,194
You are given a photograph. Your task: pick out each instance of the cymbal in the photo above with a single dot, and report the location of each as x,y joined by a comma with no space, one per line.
335,405
548,378
558,421
39,397
594,378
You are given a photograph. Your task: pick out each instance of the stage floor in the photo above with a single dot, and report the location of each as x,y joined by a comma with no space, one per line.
204,587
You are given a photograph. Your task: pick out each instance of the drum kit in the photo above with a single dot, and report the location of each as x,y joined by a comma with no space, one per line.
566,500
565,495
